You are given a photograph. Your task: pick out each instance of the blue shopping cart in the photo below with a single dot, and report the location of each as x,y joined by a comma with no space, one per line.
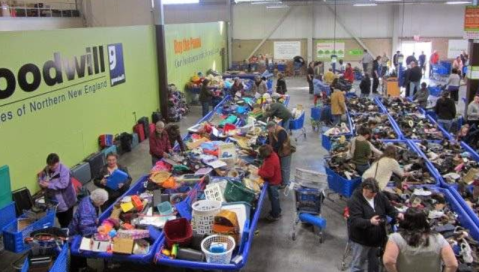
298,124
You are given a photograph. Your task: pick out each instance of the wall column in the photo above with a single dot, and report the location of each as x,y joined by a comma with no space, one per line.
159,20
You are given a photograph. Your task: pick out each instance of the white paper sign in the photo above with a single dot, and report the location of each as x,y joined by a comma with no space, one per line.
456,47
286,50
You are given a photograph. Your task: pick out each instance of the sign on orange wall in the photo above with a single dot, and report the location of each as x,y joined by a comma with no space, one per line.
471,18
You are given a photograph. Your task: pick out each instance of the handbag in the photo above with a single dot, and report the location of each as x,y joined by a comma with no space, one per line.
226,223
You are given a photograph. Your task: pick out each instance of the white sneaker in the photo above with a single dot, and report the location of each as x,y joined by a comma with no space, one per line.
466,252
435,214
421,192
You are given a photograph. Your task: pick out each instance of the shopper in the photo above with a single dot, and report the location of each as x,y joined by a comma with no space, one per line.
453,84
422,62
329,77
206,96
310,77
237,87
368,208
101,179
349,73
365,86
321,89
259,87
338,105
280,141
375,74
160,146
434,60
174,136
270,171
367,61
473,112
457,64
417,248
413,78
385,167
281,84
341,67
55,181
410,59
361,150
278,110
445,110
384,65
85,224
396,59
422,95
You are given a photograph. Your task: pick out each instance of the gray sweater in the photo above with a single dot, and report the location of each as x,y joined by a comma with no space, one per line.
421,97
473,111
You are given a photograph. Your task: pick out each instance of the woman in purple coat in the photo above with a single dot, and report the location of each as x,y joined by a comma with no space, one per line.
56,182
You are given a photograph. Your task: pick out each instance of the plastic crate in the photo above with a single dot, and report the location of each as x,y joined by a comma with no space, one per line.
8,215
14,240
315,113
340,185
61,263
237,192
297,123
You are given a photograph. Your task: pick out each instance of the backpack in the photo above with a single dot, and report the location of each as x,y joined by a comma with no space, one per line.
125,141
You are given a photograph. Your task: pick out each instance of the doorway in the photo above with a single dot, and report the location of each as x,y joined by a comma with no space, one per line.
407,48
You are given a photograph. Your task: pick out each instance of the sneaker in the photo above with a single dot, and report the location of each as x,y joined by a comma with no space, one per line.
273,219
435,214
466,252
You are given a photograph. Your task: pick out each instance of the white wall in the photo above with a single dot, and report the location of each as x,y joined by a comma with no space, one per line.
20,24
427,20
102,13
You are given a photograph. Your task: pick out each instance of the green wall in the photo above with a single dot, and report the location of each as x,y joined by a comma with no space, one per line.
71,127
182,66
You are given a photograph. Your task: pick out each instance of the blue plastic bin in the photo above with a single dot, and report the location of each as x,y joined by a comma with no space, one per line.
315,113
8,215
243,250
13,239
60,265
434,90
297,123
341,185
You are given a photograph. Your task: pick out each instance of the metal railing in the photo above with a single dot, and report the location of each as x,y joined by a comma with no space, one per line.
50,9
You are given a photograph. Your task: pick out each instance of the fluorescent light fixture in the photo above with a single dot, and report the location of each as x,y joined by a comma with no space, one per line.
277,7
458,2
366,5
175,2
265,2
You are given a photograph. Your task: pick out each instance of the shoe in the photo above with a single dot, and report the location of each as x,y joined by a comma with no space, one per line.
466,252
272,218
282,187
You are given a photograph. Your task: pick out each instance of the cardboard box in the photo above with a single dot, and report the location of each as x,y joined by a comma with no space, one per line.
123,245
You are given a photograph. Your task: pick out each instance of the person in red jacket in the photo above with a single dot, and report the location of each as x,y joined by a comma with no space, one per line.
159,143
348,73
270,171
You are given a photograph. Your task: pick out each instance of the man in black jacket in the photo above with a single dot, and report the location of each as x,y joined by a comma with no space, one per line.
414,78
368,209
445,110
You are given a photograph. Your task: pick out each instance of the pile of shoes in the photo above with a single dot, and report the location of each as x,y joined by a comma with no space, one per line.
361,105
379,124
442,219
399,105
417,126
453,163
340,160
177,106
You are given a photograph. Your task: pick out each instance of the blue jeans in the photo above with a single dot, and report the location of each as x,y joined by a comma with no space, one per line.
446,124
285,124
273,196
206,108
361,254
285,169
336,119
413,87
361,168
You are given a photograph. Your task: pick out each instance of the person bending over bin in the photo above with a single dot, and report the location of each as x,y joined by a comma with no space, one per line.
280,141
160,146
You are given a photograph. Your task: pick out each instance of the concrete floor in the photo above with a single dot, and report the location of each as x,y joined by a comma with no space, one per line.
273,248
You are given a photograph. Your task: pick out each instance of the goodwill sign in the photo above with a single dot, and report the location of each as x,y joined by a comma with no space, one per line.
36,86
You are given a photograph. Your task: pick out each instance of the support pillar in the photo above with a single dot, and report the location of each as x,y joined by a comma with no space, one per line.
159,20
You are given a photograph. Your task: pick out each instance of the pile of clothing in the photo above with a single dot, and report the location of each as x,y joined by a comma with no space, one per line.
358,105
381,127
453,163
442,219
177,106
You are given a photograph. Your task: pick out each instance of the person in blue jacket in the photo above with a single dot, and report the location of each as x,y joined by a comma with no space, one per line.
85,223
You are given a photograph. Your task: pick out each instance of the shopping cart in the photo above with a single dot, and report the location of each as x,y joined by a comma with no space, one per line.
298,124
309,195
316,118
